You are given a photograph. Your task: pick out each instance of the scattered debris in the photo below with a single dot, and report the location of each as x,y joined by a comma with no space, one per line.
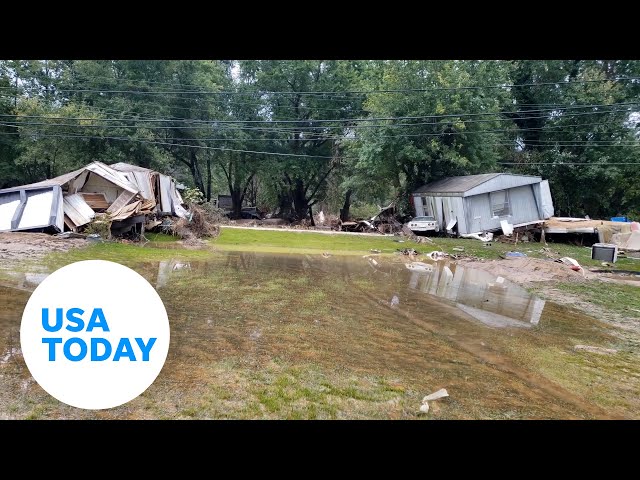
326,254
424,408
507,228
408,251
436,255
373,250
592,349
458,249
486,237
70,235
436,395
94,237
419,267
514,254
395,301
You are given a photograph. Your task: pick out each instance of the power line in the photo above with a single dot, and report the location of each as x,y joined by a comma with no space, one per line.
447,115
344,92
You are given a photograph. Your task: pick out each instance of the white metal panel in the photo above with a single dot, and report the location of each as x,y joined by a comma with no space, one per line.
60,210
165,194
178,209
98,184
78,211
523,205
479,217
37,211
8,209
547,201
112,176
143,182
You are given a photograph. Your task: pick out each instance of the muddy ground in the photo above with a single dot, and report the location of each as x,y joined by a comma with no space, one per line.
17,246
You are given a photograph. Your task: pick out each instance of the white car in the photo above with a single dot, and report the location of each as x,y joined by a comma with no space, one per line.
423,224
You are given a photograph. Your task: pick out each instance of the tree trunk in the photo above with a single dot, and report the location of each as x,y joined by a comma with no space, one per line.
344,211
236,203
195,171
313,223
208,178
300,202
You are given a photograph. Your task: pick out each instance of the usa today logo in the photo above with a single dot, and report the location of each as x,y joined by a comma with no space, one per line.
94,334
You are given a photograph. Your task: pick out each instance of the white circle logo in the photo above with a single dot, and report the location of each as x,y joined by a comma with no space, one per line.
94,334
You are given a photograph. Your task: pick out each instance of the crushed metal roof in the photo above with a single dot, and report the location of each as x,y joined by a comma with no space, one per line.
461,184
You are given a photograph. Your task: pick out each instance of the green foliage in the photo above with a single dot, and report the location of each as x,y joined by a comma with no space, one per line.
376,128
363,210
192,195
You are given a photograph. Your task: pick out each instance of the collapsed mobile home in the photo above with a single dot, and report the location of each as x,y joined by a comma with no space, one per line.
124,195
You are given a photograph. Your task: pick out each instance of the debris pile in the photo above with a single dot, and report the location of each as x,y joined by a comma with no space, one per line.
200,223
121,195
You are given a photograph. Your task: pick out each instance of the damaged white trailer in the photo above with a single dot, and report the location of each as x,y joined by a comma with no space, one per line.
483,203
124,194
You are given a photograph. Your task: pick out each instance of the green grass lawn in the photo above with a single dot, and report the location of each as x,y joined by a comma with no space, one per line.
623,299
303,242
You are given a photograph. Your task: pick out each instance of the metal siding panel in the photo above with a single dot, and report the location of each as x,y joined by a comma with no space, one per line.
165,194
480,216
547,201
417,204
523,205
78,211
9,203
112,176
59,209
37,211
459,213
143,181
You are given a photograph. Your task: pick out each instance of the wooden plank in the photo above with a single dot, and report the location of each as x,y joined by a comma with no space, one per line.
96,201
124,198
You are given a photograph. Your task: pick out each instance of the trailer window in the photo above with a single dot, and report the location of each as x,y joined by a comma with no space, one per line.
500,203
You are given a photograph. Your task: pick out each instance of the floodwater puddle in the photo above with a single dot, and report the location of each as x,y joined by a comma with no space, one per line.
304,336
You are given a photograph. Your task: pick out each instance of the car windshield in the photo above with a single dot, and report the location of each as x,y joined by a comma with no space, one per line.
424,219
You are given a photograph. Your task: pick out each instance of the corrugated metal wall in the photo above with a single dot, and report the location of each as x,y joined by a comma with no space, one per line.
443,209
478,214
521,201
523,205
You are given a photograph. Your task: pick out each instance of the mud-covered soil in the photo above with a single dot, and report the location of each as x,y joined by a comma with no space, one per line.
17,246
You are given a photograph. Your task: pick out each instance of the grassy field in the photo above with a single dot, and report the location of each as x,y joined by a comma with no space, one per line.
623,299
299,242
